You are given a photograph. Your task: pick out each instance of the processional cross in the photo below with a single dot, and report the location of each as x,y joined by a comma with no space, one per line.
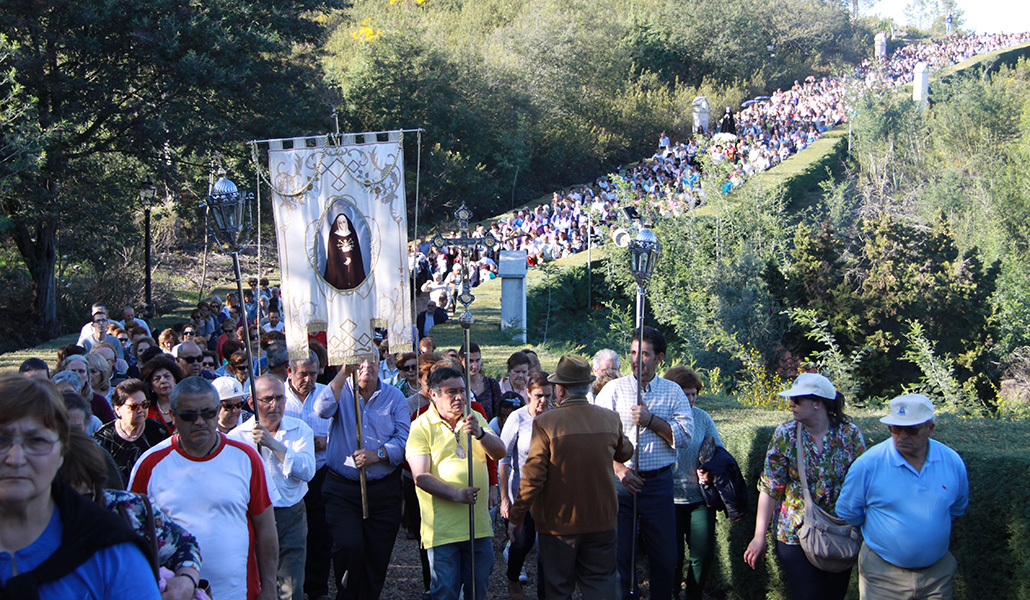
465,242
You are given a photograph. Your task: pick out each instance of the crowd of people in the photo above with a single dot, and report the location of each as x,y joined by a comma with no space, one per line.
178,464
265,494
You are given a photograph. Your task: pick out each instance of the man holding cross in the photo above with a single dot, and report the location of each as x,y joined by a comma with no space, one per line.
437,451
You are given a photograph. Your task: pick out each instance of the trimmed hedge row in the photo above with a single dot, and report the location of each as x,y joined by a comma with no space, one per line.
991,541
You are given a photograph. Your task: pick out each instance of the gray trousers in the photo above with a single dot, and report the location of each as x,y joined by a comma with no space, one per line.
291,523
587,559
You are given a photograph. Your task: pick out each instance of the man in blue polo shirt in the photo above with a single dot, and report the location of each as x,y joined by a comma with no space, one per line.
904,492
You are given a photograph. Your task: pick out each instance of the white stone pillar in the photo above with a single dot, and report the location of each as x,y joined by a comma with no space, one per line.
921,85
700,113
880,45
512,268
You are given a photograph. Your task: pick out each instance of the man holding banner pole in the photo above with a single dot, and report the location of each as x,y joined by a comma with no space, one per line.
362,546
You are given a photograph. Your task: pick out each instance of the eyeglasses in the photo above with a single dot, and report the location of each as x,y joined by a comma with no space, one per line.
409,367
236,406
191,359
36,445
190,416
189,332
141,407
99,321
123,340
272,399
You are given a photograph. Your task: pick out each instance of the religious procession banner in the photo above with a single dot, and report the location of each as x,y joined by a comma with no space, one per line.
342,232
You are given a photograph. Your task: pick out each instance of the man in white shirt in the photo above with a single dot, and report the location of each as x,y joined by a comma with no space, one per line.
287,448
301,392
274,323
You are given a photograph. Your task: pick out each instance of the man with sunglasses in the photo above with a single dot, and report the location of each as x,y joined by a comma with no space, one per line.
190,358
217,489
909,482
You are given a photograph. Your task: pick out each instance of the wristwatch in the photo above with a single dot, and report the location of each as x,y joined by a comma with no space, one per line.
482,432
381,453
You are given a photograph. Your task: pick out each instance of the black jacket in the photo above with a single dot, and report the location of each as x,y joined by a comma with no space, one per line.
726,489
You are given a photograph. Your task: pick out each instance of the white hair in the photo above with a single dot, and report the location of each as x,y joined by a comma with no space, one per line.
607,354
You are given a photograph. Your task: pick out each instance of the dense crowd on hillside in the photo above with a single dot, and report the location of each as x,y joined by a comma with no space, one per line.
763,133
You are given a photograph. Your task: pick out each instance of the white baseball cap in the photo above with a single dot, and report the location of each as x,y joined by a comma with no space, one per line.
811,384
910,409
228,387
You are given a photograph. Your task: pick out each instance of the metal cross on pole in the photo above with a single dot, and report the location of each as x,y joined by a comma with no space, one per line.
465,243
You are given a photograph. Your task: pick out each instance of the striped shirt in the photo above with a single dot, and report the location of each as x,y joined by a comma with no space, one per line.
665,400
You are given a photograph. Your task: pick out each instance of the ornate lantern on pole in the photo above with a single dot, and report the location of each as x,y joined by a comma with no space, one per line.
231,213
147,196
643,251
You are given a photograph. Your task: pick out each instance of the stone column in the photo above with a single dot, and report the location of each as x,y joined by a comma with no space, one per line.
512,268
921,85
701,110
880,44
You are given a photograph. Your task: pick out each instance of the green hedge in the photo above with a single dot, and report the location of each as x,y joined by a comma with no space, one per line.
991,541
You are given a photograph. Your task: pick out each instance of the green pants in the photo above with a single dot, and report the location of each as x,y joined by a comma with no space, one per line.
695,543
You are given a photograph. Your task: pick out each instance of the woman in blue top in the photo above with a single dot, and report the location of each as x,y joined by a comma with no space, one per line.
695,521
55,543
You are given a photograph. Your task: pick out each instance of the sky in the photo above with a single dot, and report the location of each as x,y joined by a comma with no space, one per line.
982,16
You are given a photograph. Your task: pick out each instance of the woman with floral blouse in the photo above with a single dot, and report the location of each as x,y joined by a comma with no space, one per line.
832,443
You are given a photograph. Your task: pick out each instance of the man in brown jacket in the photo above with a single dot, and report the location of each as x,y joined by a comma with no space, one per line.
567,483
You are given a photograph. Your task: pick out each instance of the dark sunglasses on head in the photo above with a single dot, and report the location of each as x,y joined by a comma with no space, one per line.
191,359
235,406
190,416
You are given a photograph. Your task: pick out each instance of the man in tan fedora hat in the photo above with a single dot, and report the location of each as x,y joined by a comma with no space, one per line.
567,484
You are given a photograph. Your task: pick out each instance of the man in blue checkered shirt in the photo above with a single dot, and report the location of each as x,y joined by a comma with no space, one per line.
665,424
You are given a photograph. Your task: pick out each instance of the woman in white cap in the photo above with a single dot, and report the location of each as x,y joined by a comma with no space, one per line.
831,444
230,403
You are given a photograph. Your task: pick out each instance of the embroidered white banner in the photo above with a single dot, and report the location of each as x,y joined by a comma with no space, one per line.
342,231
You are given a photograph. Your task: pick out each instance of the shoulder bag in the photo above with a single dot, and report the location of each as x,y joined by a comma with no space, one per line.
830,543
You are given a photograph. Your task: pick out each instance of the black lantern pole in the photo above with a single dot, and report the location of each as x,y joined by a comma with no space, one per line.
232,229
147,195
643,252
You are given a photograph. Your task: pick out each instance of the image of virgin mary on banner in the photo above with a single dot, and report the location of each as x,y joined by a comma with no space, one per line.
341,226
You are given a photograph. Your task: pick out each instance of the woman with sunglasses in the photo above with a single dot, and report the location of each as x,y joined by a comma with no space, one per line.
407,373
831,443
132,433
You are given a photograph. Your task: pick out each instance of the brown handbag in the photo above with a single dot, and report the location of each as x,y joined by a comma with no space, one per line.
830,543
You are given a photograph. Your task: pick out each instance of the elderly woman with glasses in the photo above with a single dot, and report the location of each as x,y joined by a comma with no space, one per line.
132,433
56,544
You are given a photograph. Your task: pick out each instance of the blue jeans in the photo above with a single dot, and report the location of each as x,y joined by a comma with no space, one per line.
451,570
656,518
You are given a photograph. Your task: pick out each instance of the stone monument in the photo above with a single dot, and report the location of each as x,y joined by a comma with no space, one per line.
701,111
512,268
921,85
880,44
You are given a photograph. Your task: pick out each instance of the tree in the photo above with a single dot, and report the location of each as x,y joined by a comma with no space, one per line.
143,82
